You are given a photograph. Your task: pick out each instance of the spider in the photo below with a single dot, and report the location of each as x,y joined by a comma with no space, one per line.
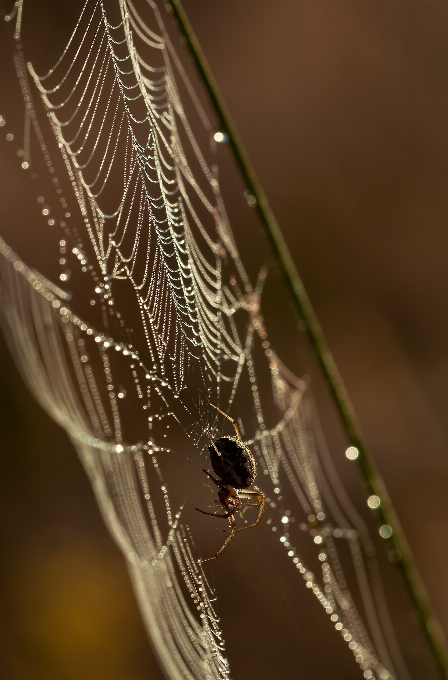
236,468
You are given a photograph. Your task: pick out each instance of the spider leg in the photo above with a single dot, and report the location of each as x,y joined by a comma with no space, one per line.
234,423
216,514
226,542
212,478
213,444
261,502
235,502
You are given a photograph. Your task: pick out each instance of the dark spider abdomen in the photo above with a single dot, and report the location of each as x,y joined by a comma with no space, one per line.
235,466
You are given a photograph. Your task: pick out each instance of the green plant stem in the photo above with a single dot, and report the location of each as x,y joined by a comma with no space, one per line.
375,485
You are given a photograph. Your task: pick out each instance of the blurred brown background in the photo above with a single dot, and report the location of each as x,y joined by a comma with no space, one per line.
343,108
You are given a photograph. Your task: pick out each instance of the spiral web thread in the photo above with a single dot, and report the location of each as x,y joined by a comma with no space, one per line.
116,113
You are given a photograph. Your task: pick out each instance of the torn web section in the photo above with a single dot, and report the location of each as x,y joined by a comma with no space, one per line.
297,497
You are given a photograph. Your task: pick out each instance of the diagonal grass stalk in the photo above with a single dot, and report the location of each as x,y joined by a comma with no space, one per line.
372,479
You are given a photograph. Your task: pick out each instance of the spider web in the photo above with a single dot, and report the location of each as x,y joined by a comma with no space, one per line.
164,322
